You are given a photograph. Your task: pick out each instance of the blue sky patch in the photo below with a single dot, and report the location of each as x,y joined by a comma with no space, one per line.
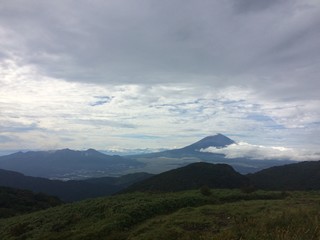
100,100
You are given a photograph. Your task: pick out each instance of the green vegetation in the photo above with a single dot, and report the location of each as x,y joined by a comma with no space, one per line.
289,219
15,201
224,214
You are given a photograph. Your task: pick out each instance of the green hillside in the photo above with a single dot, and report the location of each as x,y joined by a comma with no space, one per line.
192,176
156,208
225,214
15,201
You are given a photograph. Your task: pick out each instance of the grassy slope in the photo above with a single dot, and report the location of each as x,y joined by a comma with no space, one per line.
183,215
15,202
295,218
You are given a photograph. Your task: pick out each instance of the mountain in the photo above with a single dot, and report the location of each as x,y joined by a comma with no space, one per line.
16,201
297,176
192,176
217,141
67,164
69,190
170,159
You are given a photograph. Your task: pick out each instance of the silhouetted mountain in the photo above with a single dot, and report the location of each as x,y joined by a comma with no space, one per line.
217,141
192,176
192,153
66,163
16,201
297,176
68,190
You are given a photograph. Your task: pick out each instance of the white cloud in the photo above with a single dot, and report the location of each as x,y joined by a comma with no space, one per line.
246,150
178,70
66,114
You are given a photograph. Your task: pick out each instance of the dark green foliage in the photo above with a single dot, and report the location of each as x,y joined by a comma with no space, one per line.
14,201
116,217
192,176
205,190
298,176
248,189
294,218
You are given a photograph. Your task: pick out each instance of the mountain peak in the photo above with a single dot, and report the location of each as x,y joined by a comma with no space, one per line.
218,141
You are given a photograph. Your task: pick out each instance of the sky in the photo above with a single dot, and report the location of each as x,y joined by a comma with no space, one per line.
139,74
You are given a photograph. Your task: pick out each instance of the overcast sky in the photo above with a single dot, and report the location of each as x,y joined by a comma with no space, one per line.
159,74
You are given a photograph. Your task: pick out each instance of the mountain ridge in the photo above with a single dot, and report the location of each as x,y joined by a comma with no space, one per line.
297,176
66,162
192,176
73,190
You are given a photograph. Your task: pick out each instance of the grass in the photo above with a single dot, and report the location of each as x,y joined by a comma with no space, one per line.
224,214
257,219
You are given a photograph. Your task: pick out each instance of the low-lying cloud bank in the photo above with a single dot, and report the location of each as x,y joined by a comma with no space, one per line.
243,149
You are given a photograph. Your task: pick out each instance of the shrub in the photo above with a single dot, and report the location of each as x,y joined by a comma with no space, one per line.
248,189
205,191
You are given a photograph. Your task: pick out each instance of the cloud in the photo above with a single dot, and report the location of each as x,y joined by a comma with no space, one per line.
245,6
93,71
146,42
4,139
246,150
176,115
18,127
139,136
104,122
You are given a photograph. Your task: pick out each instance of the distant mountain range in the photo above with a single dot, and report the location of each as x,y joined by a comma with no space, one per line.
67,164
